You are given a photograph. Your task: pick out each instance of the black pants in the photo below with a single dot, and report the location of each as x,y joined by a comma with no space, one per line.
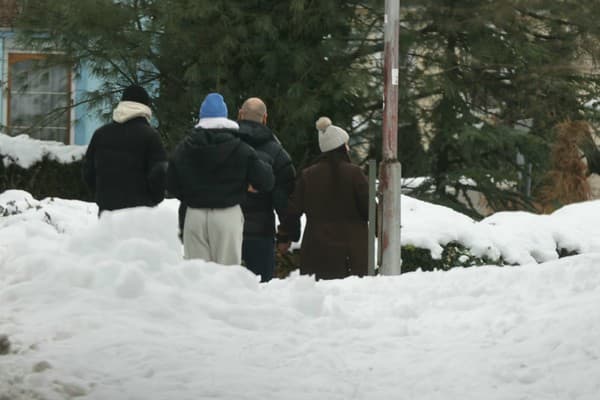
258,255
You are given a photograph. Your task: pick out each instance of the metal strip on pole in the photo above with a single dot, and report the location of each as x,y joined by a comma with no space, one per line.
390,174
372,216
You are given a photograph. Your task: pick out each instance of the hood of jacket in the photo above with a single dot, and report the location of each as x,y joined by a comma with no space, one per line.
127,110
255,133
210,147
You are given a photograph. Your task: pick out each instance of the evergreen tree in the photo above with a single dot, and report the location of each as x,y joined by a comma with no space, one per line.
305,59
481,81
489,80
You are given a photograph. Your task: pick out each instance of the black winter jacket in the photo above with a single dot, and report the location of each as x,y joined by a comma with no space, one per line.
259,220
125,165
211,168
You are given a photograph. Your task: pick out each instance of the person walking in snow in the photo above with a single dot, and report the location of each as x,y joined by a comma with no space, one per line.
258,249
125,162
334,195
210,172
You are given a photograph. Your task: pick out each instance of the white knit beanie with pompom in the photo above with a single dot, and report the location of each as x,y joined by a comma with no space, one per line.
330,136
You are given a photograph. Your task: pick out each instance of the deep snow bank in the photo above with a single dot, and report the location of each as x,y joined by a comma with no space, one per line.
108,310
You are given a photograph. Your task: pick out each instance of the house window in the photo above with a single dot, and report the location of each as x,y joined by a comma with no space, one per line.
38,98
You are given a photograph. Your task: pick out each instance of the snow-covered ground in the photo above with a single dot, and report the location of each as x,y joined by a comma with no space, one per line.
107,309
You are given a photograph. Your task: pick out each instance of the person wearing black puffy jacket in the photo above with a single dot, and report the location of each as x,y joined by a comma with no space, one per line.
125,162
211,172
258,250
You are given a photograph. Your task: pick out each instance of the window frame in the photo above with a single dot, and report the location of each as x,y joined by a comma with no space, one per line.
17,56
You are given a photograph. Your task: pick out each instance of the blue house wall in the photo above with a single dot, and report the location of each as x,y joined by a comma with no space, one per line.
87,119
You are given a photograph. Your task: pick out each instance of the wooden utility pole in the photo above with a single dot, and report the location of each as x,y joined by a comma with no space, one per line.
390,173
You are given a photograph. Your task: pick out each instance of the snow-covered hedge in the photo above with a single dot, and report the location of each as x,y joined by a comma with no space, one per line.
25,151
432,236
435,237
42,168
504,238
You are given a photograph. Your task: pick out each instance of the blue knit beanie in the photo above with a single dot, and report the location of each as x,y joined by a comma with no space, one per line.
213,106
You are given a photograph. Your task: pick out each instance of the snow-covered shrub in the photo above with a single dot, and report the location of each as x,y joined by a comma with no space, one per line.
453,255
414,258
46,178
13,208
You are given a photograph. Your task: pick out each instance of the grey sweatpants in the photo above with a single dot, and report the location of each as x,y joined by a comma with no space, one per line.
214,234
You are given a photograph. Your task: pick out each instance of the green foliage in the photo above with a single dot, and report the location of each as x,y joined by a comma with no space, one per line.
305,59
491,79
454,255
46,178
480,81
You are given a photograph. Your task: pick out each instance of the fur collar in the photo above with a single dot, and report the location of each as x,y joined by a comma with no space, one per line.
127,110
217,123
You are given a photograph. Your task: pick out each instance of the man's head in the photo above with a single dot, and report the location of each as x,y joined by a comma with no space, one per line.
136,93
253,109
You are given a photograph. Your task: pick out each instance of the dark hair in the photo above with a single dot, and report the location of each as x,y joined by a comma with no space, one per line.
334,158
339,153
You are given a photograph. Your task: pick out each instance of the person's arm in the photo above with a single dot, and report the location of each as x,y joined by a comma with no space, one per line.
260,173
289,228
285,177
173,183
156,167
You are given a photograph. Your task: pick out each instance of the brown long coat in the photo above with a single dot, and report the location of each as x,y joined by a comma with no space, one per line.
333,193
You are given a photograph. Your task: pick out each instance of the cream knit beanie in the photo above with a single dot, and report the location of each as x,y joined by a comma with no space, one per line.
330,136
